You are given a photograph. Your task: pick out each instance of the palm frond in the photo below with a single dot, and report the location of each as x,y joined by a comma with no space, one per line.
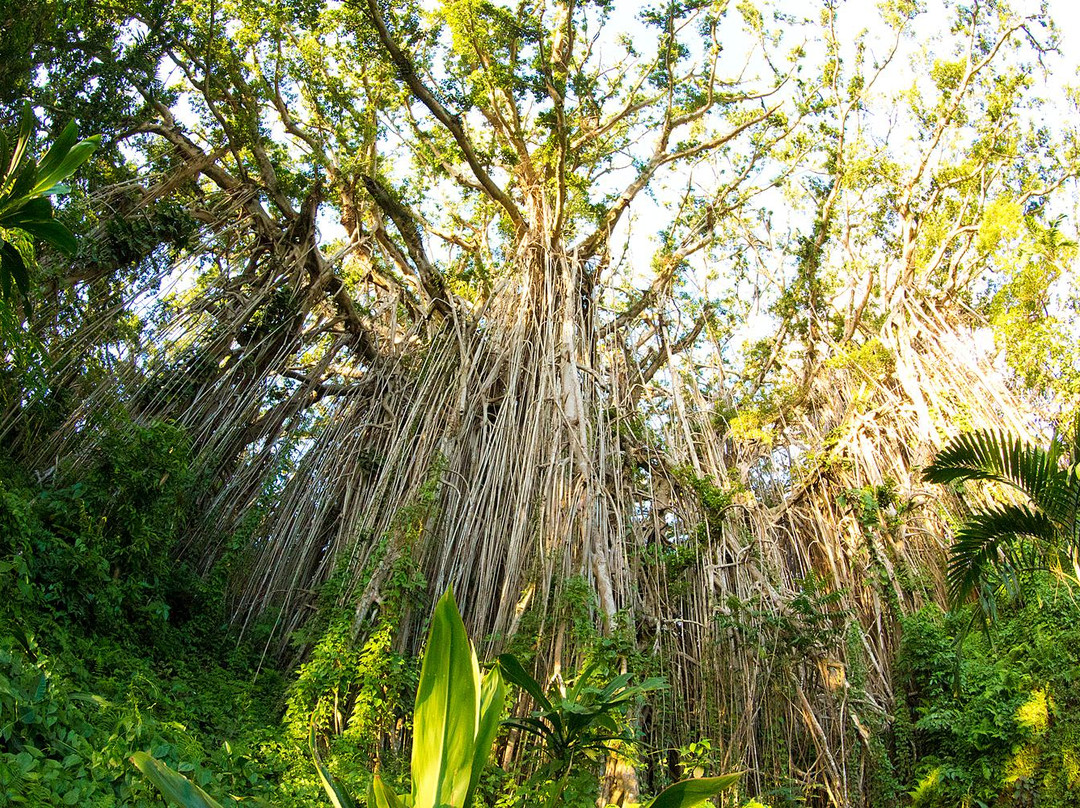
1003,458
985,536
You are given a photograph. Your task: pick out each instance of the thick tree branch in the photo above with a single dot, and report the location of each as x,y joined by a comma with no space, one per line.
452,122
410,234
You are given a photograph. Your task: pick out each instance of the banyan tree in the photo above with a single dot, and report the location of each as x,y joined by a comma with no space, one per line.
652,318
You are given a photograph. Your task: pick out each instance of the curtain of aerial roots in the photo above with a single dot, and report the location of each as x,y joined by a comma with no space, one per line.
502,415
798,690
218,367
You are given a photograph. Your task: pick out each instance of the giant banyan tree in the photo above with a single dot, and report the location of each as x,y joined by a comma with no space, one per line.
655,316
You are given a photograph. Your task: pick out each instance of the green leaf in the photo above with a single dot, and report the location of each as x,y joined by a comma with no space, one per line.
446,717
996,456
12,268
27,178
533,726
75,158
174,787
338,795
32,210
52,232
22,138
5,156
380,795
977,544
688,793
515,674
492,699
59,149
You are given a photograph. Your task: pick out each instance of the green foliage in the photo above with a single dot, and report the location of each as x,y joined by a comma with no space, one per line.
995,549
25,187
97,550
996,725
578,720
109,646
810,624
1031,308
174,787
456,717
582,721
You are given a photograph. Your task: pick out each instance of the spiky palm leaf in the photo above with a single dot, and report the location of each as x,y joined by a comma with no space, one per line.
1006,541
1001,458
988,541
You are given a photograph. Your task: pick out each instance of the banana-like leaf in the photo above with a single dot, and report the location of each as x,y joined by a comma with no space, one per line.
22,139
12,268
339,796
53,232
174,787
78,155
31,210
492,699
446,715
688,793
60,149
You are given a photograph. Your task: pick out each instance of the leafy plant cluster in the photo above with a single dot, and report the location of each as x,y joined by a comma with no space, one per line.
810,625
108,646
995,724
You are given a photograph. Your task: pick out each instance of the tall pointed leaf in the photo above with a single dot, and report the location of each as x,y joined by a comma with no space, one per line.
22,137
339,796
516,674
445,719
12,268
492,699
52,232
381,795
59,150
71,161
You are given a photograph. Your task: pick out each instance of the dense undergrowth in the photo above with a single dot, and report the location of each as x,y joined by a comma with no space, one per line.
109,645
999,722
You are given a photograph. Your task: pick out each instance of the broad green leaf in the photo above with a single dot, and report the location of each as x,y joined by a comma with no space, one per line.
574,694
59,149
12,268
26,179
338,795
32,210
492,699
75,158
52,232
22,137
516,674
5,155
688,793
174,787
445,719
